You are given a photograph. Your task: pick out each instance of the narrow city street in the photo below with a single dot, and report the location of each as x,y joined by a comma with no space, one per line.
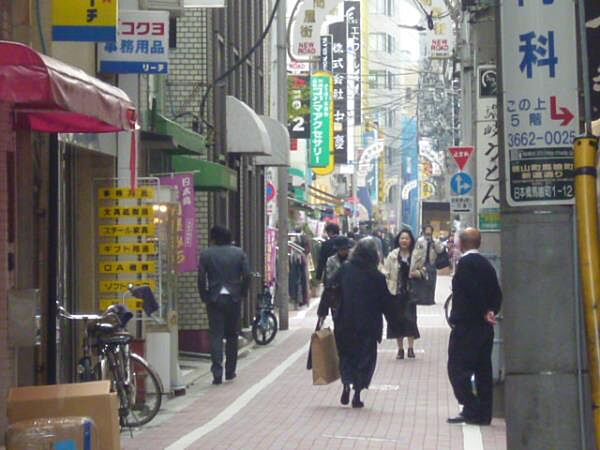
272,403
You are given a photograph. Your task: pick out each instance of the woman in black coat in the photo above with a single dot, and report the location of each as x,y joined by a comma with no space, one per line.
358,319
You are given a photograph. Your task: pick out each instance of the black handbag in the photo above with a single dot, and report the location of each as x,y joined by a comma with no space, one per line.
442,260
422,290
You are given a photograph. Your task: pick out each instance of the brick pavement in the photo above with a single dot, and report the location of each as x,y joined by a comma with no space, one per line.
405,408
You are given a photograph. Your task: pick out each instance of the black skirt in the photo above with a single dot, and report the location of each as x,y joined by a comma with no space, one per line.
406,319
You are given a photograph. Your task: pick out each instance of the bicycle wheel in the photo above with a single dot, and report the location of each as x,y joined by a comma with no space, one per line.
264,329
144,390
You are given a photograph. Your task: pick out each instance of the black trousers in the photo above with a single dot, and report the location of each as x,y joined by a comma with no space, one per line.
223,322
470,353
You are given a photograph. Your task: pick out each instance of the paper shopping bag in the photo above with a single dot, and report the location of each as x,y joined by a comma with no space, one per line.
324,356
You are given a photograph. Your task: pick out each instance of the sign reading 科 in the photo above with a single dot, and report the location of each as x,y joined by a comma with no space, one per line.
539,73
84,20
142,44
321,127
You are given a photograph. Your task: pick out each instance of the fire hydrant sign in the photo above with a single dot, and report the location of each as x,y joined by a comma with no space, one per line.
142,44
539,73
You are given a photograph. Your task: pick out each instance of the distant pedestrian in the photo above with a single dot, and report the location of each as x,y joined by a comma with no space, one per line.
342,246
327,249
358,322
223,279
401,265
476,299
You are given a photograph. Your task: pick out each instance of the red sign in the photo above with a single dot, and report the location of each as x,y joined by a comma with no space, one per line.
461,155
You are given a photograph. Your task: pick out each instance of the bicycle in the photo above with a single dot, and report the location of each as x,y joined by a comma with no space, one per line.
264,325
107,342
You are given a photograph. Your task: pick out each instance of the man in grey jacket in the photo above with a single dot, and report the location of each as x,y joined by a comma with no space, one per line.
223,278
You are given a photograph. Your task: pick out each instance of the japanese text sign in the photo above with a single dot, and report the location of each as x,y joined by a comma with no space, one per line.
539,73
187,234
84,20
592,24
461,155
321,126
352,15
306,27
339,64
298,107
142,44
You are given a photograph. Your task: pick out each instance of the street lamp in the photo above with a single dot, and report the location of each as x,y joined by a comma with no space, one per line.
411,27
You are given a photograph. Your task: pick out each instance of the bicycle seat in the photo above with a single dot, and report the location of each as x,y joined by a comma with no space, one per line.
115,339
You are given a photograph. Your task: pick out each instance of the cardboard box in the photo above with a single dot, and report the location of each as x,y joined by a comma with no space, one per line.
76,433
93,400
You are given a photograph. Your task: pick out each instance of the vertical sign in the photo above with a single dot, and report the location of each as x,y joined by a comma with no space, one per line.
440,40
320,119
84,20
488,164
142,44
353,80
326,44
306,28
592,24
298,107
340,103
410,173
539,73
187,234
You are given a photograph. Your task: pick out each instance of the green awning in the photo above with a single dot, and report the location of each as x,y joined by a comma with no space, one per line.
185,141
208,176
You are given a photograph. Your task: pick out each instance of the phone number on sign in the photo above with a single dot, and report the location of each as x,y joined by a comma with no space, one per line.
532,139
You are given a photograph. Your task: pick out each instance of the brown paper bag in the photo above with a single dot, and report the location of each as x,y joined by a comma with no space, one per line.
324,355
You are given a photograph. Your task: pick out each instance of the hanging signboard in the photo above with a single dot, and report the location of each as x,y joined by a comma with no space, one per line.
488,162
321,126
187,233
340,90
541,107
306,28
142,44
353,73
84,20
298,107
440,40
326,44
592,24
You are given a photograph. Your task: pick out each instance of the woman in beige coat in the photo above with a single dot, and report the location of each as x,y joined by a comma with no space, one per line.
402,264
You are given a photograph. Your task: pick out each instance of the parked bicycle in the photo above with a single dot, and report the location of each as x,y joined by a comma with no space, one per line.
107,356
264,325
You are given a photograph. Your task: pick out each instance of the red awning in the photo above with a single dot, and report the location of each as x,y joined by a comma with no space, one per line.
54,97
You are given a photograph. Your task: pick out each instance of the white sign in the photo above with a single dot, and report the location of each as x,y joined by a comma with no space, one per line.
306,28
539,73
461,204
204,3
440,40
488,154
142,44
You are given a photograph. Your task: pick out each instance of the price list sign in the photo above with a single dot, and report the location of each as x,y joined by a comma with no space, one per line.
539,73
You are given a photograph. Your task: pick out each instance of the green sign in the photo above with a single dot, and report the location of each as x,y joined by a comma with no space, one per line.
321,118
489,219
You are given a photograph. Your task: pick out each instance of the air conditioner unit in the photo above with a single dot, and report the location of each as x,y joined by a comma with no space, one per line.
175,7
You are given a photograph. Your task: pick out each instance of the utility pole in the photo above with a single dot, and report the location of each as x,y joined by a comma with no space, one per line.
282,295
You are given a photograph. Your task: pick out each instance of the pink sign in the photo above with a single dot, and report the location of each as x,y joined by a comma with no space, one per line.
187,239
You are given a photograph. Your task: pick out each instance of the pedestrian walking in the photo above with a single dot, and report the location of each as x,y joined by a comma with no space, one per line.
223,279
328,299
404,263
359,318
476,299
327,249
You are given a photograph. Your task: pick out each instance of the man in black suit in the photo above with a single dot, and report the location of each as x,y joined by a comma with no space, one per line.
476,299
223,279
327,249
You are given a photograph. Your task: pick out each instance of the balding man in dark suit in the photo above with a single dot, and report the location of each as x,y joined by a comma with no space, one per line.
476,299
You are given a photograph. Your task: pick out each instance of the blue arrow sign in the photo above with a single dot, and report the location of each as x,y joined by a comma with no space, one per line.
461,183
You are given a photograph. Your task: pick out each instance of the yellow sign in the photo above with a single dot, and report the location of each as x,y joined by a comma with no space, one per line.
127,266
85,20
128,249
127,230
119,212
121,286
133,304
327,169
123,193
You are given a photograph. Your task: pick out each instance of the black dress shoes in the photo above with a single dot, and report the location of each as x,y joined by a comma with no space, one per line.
345,398
411,353
462,419
217,381
400,354
230,376
458,419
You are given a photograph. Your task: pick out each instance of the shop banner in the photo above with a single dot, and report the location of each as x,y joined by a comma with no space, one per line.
142,44
410,174
488,162
320,119
306,28
352,15
592,24
298,107
340,88
326,58
84,20
187,240
541,100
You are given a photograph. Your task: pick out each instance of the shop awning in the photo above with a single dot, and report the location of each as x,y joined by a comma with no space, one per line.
208,176
182,140
280,144
246,133
51,96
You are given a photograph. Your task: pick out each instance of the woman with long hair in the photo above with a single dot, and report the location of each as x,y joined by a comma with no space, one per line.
358,319
402,264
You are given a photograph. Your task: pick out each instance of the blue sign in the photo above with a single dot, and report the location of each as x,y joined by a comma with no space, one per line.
461,183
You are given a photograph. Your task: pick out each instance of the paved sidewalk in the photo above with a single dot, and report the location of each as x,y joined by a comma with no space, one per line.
273,405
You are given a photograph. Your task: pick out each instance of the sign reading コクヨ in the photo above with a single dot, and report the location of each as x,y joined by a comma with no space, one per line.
84,20
142,44
539,73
